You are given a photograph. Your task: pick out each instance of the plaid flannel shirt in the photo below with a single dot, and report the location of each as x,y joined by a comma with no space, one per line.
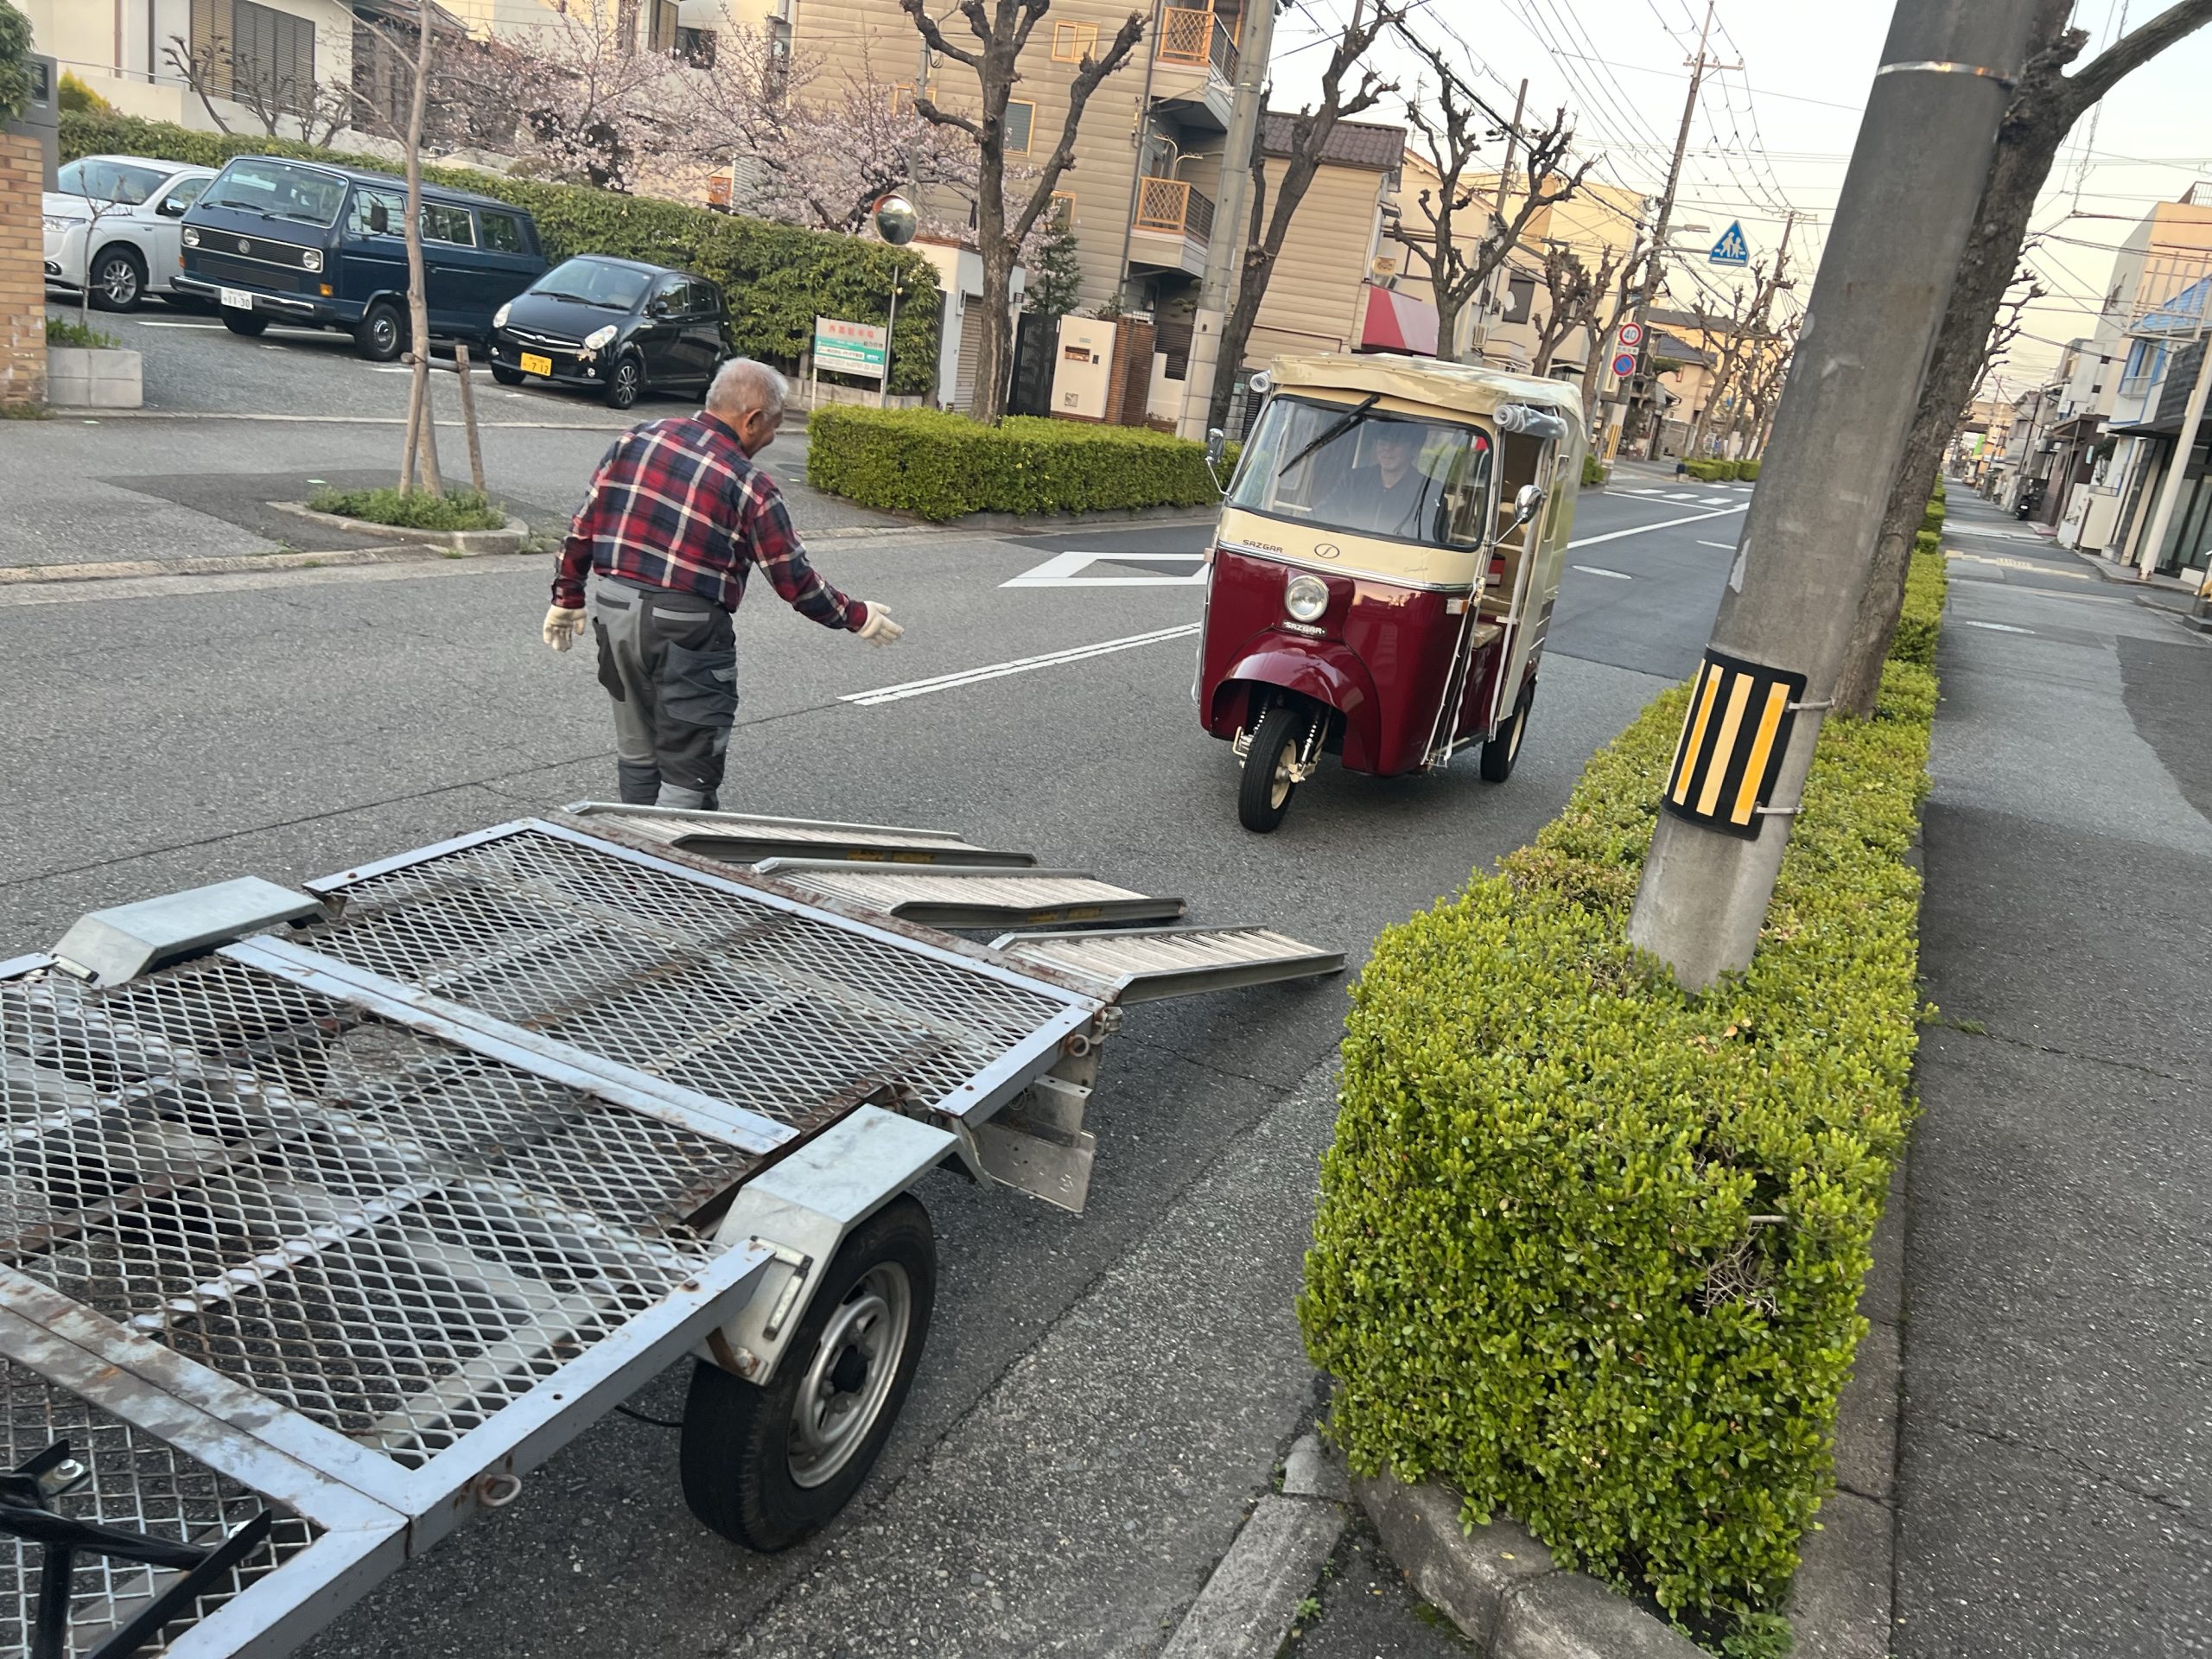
677,503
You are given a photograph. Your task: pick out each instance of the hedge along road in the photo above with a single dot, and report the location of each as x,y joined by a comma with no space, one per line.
155,747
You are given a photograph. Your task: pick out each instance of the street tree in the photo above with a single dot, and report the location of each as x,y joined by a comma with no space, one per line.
1055,274
1308,135
1763,388
1615,308
422,423
1574,293
1460,231
316,111
1737,330
591,107
1005,218
2046,104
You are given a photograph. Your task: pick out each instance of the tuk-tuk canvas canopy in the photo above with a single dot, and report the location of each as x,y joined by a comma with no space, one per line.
1463,388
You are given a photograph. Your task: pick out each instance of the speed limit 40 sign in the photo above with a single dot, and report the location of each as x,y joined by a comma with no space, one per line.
1630,335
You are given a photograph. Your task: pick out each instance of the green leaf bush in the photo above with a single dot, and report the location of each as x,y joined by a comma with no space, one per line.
1747,470
939,464
412,509
1589,1248
777,278
1594,472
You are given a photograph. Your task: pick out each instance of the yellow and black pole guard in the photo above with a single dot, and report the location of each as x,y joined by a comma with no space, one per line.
1731,744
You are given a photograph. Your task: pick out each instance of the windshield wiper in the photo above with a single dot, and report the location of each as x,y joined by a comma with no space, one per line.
1344,423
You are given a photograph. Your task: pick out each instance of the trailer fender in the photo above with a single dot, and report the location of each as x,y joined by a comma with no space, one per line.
1327,671
800,1211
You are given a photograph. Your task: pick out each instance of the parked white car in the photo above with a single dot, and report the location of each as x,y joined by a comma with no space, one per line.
112,221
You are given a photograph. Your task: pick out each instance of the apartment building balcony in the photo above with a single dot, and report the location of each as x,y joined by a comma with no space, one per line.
1195,65
1172,226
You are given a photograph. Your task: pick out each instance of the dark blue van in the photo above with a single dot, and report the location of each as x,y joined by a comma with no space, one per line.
273,240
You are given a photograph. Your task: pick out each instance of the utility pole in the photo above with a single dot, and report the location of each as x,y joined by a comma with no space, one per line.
1649,291
1488,300
1232,214
1784,626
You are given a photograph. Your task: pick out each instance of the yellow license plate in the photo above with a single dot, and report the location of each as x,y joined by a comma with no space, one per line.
533,363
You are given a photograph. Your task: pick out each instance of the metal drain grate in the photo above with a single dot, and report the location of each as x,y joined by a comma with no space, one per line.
756,999
138,1484
390,1234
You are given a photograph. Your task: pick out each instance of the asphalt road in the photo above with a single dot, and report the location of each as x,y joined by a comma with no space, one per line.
1101,1397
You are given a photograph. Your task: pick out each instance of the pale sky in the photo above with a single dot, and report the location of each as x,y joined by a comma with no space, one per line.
1778,134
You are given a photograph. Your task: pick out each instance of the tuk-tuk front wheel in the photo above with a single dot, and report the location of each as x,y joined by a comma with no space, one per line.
1503,747
1269,777
766,1467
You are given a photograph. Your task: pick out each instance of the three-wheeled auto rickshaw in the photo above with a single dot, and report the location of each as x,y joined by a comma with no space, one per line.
1384,571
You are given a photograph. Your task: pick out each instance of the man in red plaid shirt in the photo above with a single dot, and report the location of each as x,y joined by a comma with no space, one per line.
677,517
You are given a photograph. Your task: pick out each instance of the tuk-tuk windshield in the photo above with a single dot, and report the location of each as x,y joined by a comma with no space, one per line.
1356,467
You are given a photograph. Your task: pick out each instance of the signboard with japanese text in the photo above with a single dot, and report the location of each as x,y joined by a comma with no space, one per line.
850,347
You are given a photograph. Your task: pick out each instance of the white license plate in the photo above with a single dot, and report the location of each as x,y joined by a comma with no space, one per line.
237,298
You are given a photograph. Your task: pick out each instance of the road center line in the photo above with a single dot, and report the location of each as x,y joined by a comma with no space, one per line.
1018,665
1664,524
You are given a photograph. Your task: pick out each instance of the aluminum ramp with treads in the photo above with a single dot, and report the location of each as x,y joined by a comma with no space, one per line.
974,898
745,838
1147,963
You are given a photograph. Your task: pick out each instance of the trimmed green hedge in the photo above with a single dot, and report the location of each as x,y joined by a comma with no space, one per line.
940,465
1747,470
1595,472
1920,619
1589,1248
777,278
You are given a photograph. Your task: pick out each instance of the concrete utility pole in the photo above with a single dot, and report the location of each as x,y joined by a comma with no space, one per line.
1784,626
1653,271
1232,211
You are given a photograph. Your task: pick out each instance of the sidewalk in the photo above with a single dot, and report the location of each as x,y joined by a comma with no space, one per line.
2056,1470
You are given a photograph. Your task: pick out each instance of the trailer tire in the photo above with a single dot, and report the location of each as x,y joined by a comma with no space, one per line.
1503,747
752,1470
1264,795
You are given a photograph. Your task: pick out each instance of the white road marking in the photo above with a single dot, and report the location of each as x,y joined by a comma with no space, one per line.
1599,570
1664,524
1064,570
1682,495
1994,627
2022,564
1725,547
1716,500
1018,665
150,323
1647,490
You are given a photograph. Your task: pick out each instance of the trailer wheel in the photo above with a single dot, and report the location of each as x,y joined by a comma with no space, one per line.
766,1467
1503,747
1264,796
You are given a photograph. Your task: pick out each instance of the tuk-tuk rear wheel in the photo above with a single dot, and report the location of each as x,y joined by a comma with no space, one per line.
1264,795
1503,747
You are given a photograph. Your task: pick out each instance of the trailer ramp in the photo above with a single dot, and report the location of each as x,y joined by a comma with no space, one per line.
975,897
747,838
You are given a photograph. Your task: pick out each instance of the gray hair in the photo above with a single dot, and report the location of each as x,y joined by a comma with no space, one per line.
744,383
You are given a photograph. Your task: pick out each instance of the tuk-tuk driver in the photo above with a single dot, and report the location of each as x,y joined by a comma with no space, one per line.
676,518
1393,497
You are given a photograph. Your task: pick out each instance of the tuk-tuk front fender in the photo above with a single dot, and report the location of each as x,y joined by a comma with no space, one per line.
1323,671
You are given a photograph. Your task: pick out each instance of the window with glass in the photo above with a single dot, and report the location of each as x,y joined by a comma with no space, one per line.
500,233
594,282
375,212
276,189
1021,121
106,182
444,222
1354,466
1073,42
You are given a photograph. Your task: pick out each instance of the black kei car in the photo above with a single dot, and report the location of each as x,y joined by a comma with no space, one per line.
617,327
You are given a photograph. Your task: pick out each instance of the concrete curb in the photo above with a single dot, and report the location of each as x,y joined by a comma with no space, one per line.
215,564
1501,1588
1248,1606
510,538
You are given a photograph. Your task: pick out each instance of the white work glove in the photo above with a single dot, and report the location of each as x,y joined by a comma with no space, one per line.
563,627
880,629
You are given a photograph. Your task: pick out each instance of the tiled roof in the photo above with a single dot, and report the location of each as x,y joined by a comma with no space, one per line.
1351,144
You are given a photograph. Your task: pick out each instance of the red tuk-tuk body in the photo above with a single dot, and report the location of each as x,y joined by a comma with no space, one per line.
1384,570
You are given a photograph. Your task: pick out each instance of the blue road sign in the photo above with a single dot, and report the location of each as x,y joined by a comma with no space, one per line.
1731,249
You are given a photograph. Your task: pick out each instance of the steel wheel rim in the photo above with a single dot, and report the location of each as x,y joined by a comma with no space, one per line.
385,331
625,379
1282,783
831,1422
120,282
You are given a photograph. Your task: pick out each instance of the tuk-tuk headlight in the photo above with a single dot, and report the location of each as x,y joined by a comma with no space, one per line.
1305,598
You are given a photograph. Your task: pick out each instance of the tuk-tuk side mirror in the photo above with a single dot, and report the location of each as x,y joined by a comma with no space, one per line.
1526,505
1216,446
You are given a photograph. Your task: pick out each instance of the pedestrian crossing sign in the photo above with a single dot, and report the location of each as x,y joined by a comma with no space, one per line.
1731,249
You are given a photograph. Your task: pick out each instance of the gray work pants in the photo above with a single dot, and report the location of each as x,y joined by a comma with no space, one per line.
670,662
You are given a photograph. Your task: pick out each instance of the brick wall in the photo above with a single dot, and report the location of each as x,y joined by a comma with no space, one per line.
22,273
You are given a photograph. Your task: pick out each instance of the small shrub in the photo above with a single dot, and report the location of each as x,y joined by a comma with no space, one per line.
1589,1248
1595,472
74,95
1921,618
15,61
62,332
413,509
942,466
1748,471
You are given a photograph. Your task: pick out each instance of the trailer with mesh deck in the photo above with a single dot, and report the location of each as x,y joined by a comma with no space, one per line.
329,1213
